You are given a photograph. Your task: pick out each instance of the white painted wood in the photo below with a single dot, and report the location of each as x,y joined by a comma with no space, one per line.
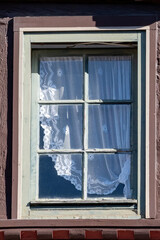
61,102
90,201
91,150
25,129
80,37
83,101
76,213
139,161
34,165
20,121
75,29
147,177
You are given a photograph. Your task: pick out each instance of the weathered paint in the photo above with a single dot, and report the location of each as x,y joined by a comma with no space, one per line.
5,122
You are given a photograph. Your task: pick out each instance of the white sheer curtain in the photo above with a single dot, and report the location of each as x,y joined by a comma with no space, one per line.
109,77
108,127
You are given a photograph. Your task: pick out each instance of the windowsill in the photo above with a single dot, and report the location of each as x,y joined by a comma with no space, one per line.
72,213
79,201
49,223
126,209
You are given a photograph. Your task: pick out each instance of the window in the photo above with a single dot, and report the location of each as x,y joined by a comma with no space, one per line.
84,108
85,145
82,124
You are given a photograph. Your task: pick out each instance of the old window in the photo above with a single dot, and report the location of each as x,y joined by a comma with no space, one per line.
84,110
84,149
81,124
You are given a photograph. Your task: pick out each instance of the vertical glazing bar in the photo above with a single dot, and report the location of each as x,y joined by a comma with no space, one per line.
85,139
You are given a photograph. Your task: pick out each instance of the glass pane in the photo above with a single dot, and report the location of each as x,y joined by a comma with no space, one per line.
109,175
61,126
109,126
60,176
109,77
61,78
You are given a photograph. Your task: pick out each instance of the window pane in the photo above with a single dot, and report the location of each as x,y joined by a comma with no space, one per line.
61,126
109,126
60,176
109,175
61,78
109,77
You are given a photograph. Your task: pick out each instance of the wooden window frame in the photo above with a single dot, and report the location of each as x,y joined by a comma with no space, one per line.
24,26
85,53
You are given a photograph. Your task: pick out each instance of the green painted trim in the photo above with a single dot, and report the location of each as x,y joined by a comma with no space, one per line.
27,145
26,112
134,120
67,37
34,126
141,123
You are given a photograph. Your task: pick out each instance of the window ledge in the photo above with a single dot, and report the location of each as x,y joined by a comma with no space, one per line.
80,223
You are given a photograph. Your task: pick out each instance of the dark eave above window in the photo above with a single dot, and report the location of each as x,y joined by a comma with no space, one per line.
86,1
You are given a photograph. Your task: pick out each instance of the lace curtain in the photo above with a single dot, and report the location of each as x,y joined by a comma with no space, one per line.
61,78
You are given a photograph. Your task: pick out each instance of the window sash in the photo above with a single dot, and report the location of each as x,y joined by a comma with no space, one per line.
85,102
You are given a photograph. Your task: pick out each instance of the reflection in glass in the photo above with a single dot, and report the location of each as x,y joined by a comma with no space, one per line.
60,176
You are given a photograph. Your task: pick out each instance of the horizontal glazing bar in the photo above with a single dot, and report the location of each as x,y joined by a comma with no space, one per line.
95,150
81,201
87,101
50,151
110,101
107,150
61,101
